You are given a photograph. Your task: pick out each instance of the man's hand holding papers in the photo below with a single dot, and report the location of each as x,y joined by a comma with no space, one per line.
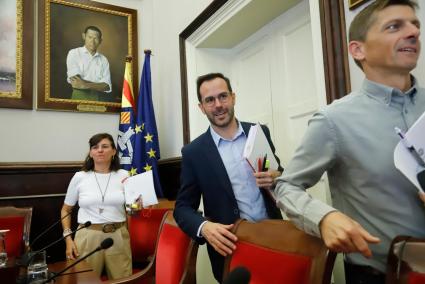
261,158
256,148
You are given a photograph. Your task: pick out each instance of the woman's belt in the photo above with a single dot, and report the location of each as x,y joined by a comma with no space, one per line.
106,227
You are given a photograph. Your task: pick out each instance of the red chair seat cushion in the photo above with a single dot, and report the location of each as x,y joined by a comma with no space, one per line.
14,238
171,255
271,266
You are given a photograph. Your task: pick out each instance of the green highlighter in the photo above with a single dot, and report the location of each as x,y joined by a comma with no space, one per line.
266,165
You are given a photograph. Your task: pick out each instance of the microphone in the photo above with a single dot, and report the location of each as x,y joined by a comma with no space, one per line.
239,275
106,243
48,229
27,257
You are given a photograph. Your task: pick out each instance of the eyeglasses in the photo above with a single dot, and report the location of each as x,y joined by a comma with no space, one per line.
222,98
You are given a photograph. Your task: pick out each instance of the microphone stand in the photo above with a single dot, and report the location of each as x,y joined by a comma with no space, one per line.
56,274
75,272
106,243
27,257
48,229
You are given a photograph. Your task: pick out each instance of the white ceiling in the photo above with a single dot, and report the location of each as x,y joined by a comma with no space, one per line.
245,22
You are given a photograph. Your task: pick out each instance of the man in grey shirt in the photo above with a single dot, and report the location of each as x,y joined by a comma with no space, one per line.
353,140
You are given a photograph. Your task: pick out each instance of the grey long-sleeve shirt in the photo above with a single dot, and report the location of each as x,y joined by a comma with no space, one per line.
353,140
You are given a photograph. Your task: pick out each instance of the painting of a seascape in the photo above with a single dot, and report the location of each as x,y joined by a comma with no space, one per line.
16,53
7,82
8,30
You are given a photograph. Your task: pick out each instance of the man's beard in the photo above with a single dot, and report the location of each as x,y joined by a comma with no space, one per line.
222,124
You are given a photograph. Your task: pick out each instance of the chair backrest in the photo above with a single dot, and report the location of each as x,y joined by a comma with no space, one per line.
18,221
174,260
406,261
144,228
175,255
275,251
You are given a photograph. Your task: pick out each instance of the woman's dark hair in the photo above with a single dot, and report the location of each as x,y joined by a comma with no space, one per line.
94,140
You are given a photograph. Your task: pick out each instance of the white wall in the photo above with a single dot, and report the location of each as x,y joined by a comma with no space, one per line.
30,136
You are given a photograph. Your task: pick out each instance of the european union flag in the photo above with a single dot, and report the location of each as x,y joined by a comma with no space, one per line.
127,120
146,144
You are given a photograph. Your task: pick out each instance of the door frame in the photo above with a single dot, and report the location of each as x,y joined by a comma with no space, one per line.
334,46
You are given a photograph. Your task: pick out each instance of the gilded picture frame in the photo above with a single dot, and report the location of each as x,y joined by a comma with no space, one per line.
352,4
66,52
16,54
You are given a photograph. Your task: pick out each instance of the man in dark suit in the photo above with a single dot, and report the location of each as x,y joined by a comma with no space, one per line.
213,168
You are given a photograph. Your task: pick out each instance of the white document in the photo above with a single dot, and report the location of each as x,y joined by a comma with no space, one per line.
257,147
406,164
140,185
416,135
403,158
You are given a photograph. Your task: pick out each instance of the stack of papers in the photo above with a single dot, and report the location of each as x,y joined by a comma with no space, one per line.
404,159
140,185
257,147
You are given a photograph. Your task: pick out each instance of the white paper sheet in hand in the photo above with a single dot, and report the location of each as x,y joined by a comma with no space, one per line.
405,163
141,184
256,147
403,158
415,135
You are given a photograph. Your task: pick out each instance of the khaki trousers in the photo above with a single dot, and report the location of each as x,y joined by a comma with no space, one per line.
116,260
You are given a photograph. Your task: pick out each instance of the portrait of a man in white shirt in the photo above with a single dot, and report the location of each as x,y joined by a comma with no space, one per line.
88,70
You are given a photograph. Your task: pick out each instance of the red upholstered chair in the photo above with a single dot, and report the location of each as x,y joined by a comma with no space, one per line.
175,255
174,260
275,251
18,221
144,228
406,261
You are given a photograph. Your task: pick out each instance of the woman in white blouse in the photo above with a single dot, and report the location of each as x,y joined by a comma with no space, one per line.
98,189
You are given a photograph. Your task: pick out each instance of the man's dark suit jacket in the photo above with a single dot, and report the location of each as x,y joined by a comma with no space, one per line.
203,173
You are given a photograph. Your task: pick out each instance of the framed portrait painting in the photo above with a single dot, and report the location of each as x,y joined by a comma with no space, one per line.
16,53
82,52
352,4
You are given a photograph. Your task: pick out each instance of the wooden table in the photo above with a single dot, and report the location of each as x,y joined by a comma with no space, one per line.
72,276
10,272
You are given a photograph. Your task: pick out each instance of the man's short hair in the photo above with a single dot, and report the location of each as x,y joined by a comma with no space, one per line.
365,18
209,77
93,28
